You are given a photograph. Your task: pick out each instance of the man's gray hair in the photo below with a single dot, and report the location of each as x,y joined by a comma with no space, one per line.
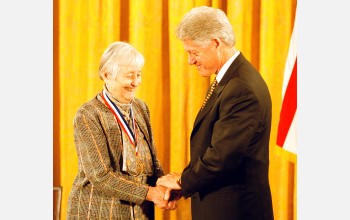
202,24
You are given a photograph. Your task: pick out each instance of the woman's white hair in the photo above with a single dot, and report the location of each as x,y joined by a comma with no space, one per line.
202,24
119,56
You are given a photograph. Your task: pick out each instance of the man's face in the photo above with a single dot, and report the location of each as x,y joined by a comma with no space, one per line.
204,57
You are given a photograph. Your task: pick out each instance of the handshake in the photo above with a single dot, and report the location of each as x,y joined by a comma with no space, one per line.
167,191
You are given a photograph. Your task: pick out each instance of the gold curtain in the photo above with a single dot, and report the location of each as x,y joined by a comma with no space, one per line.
173,90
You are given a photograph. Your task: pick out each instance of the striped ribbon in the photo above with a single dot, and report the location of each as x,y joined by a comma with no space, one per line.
131,133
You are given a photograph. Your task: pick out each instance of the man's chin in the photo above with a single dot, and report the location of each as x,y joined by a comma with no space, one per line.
204,73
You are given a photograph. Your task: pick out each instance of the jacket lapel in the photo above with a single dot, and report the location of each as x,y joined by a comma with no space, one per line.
202,113
217,91
141,122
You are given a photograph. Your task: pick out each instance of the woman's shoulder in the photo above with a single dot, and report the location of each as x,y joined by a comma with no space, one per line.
141,106
140,103
92,105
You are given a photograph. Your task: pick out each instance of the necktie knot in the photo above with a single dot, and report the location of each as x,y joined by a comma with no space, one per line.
212,87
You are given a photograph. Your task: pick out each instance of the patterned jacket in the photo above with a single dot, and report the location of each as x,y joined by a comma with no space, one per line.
101,190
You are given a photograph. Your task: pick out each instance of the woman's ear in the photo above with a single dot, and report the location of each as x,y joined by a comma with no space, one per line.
105,75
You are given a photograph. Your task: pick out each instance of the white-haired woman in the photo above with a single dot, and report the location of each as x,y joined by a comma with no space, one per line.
118,165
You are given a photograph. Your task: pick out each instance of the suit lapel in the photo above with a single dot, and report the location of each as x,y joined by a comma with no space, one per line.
209,103
217,91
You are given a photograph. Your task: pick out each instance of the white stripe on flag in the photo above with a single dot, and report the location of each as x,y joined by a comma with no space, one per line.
290,144
292,55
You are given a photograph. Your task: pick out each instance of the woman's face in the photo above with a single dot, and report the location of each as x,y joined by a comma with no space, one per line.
124,86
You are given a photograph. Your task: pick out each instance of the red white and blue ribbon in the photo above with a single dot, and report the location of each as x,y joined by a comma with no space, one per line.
131,133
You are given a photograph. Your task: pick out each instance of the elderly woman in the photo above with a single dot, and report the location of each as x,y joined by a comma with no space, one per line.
118,166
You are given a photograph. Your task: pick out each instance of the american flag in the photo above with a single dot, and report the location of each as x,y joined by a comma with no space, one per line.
286,134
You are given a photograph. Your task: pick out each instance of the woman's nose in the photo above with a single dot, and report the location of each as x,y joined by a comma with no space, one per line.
136,82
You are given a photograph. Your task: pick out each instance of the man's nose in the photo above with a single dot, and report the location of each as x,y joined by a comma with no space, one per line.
191,60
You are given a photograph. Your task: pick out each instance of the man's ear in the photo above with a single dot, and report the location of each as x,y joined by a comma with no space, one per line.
216,42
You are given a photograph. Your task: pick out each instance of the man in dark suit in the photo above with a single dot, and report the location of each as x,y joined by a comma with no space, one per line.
227,177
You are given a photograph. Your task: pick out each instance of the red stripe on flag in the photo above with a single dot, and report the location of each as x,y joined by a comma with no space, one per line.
289,107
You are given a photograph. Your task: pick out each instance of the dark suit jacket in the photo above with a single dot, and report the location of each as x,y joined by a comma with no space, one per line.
227,177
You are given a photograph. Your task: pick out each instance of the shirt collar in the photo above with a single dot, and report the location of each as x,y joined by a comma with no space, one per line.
225,67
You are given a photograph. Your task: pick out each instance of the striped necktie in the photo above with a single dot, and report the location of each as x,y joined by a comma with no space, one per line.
212,87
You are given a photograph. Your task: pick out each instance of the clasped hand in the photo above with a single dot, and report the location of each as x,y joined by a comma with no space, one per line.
172,188
157,196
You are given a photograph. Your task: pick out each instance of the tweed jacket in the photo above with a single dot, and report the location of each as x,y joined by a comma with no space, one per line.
101,190
227,177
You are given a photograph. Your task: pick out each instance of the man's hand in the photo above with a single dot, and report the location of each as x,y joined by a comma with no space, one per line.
170,180
172,183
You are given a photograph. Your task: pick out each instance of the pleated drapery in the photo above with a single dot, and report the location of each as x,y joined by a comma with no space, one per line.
173,90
